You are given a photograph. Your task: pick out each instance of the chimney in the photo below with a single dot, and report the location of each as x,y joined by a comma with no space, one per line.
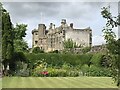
71,25
53,26
63,21
50,25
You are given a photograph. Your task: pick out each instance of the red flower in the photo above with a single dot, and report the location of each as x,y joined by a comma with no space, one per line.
44,73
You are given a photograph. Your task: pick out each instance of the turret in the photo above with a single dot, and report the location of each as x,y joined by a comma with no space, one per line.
52,26
41,30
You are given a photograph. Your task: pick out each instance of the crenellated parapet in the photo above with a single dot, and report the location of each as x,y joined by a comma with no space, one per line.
53,38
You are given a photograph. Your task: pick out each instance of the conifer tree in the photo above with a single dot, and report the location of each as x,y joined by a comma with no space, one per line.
7,39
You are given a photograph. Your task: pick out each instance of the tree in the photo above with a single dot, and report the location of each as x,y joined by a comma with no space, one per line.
19,43
7,39
113,45
12,41
68,44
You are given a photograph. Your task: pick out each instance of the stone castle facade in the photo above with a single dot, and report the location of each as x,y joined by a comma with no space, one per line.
53,38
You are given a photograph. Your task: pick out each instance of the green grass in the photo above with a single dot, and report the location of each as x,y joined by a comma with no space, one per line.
58,82
0,83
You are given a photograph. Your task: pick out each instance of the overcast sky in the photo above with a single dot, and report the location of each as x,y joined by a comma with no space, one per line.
81,14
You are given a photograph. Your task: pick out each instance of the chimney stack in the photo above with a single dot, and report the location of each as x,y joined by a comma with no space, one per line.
53,26
50,25
63,22
71,25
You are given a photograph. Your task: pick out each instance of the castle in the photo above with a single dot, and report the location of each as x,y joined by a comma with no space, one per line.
53,38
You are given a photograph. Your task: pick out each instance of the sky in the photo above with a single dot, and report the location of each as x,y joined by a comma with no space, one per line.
81,14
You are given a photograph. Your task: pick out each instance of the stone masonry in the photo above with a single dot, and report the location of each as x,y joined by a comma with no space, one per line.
53,38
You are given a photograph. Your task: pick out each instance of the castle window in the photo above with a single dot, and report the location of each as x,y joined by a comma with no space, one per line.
63,32
36,42
36,34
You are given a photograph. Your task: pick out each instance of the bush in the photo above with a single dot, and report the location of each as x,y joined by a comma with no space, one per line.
17,62
64,71
86,49
97,71
96,59
58,59
85,70
68,64
37,50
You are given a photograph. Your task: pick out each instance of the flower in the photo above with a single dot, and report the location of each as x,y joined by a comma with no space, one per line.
44,72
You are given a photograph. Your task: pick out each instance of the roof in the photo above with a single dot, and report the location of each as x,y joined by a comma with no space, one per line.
85,29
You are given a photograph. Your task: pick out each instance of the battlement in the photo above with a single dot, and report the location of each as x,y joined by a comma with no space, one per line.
53,38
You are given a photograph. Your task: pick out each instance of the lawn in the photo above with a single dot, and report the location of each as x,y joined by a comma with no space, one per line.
58,82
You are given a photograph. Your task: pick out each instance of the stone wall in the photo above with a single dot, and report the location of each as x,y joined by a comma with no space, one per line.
55,36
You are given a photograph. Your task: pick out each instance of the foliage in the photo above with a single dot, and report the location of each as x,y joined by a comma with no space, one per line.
37,50
21,69
68,64
20,45
69,43
105,61
86,49
7,38
59,59
43,70
99,71
95,71
96,59
85,69
19,56
19,33
112,43
12,42
18,63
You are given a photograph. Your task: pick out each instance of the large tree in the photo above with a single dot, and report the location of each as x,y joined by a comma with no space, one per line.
7,38
20,44
113,44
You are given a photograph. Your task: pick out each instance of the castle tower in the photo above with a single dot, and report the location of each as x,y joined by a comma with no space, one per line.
41,30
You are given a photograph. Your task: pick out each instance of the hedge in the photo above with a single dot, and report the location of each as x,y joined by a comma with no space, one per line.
97,59
58,59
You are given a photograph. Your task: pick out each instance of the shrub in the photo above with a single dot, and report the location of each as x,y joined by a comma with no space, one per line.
68,64
53,71
37,50
85,70
96,59
17,62
59,59
97,71
86,49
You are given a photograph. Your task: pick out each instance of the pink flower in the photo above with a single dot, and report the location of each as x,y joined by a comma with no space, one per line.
44,72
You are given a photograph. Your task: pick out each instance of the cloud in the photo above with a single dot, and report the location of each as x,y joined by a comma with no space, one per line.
82,14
